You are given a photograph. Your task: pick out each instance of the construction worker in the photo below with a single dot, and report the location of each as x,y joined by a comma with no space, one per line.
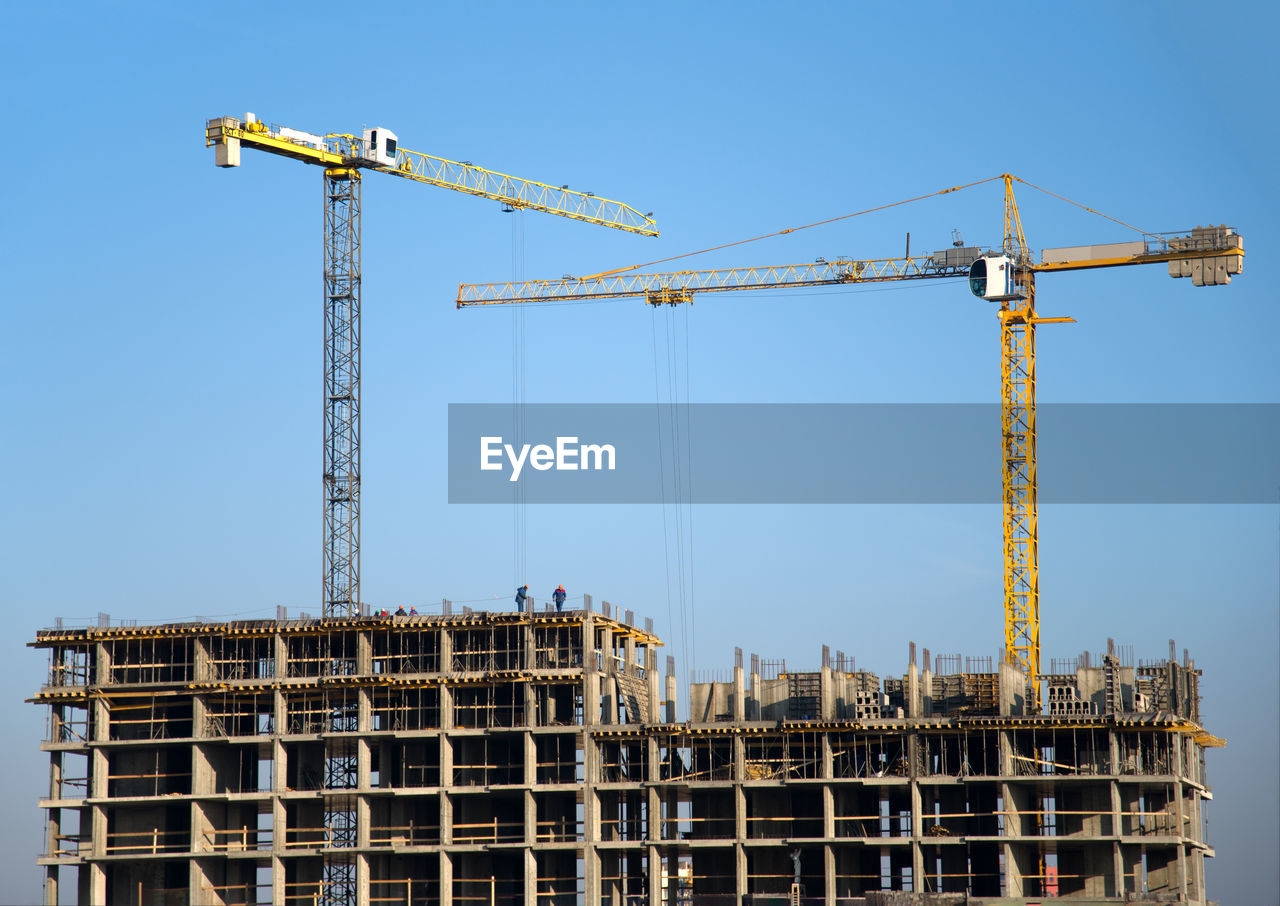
522,593
558,596
401,612
413,611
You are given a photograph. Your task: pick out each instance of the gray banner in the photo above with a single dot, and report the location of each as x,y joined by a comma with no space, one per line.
857,453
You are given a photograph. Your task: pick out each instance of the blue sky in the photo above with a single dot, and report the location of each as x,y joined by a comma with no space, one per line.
164,320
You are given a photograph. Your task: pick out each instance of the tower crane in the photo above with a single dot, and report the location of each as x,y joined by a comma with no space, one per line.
343,157
1208,255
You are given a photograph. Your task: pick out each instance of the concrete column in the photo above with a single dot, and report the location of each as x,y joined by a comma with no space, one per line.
98,771
446,649
446,784
827,694
913,689
364,652
917,819
670,699
609,695
279,721
530,873
591,819
362,873
739,812
100,726
201,670
96,883
277,877
102,664
363,819
530,760
364,764
199,717
530,819
738,705
829,875
653,892
196,883
446,876
655,704
591,699
590,674
51,885
741,882
280,654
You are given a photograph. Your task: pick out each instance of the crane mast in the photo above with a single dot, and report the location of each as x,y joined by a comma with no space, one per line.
343,158
341,539
1209,255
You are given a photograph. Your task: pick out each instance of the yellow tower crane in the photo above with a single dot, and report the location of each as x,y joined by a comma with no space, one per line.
1209,255
343,157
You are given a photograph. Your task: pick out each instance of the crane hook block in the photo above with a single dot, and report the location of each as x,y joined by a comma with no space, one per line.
991,278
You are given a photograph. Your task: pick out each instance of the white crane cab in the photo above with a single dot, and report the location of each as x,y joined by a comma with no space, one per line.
991,278
379,146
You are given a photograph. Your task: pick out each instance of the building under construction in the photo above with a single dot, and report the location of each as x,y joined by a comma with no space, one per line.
536,757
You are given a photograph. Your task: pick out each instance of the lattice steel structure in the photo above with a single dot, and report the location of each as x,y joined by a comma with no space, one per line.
341,392
1018,475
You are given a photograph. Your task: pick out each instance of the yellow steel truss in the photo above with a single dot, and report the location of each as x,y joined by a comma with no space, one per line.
654,286
341,150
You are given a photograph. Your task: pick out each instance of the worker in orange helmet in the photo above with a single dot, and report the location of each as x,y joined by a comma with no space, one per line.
522,594
558,596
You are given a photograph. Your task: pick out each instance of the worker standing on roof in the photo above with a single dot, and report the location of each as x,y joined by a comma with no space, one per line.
401,612
522,594
558,596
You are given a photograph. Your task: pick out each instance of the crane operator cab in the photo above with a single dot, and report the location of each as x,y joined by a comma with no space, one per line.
991,278
379,147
